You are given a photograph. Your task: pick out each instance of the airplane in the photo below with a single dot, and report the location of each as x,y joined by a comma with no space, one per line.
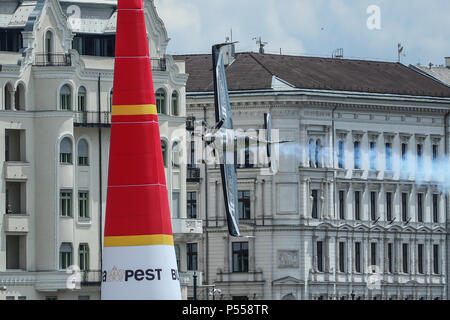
222,138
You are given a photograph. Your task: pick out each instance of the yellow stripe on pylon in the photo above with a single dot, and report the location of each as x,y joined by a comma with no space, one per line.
134,110
147,240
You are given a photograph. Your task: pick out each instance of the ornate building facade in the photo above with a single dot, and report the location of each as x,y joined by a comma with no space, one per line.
359,206
56,85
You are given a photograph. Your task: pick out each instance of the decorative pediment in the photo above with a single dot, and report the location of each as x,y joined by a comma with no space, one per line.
373,135
420,138
357,135
405,137
389,136
436,138
288,280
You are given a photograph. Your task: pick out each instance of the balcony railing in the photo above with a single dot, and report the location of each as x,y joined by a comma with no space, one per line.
91,277
91,118
159,64
193,174
53,59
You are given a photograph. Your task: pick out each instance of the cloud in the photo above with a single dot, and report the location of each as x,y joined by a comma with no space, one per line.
311,27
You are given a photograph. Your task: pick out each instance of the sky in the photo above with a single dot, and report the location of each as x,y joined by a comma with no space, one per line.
313,27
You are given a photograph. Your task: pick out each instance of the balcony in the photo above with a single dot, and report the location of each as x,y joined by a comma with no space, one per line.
92,119
91,277
16,170
16,223
53,60
193,174
187,278
159,64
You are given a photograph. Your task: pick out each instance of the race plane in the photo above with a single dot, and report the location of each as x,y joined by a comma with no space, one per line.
223,138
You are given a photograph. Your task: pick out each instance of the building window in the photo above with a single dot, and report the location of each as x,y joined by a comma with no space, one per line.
82,99
405,256
404,156
177,256
164,152
435,157
175,106
66,203
192,256
341,154
83,204
342,205
161,101
315,204
420,157
357,154
373,155
11,39
389,206
176,151
320,256
65,151
373,254
420,258
65,255
341,256
420,207
357,205
94,45
110,100
358,257
83,153
436,259
404,206
49,45
244,204
191,202
318,154
66,97
435,208
390,258
84,298
373,206
388,156
84,256
240,256
311,153
175,204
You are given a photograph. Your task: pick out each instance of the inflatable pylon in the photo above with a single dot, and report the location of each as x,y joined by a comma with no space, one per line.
139,260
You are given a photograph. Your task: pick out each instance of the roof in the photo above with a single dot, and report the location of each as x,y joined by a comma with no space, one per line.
441,73
255,71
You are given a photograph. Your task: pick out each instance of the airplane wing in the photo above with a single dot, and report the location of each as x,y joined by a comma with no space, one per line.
227,167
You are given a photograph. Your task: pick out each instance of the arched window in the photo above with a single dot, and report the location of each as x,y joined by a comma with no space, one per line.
318,154
82,99
83,153
161,101
175,109
20,97
49,46
311,153
65,151
164,152
176,152
8,95
66,97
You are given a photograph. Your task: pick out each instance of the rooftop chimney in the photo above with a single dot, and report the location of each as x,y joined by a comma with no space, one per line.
447,62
